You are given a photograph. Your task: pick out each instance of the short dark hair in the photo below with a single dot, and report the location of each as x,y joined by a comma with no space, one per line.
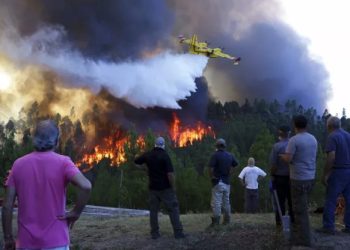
300,121
284,130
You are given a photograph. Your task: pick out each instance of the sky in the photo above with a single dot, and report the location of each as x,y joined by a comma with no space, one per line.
324,23
290,49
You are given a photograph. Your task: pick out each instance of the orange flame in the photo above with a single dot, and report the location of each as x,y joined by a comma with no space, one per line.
112,148
186,136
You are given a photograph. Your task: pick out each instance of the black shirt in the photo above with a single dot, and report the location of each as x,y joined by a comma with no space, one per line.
159,165
221,162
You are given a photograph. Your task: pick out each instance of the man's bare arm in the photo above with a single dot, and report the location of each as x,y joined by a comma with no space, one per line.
242,182
141,167
171,178
328,166
6,215
83,186
286,157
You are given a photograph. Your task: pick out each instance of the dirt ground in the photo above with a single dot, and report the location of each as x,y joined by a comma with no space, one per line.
246,232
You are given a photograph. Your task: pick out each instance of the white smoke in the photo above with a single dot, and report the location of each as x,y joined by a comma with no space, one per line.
159,81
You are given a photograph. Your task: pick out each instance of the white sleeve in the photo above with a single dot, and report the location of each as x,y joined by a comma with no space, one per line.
261,172
242,174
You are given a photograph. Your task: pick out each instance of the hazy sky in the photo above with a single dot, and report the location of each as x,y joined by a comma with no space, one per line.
325,24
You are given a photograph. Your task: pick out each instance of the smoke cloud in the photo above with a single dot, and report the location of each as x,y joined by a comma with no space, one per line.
126,49
275,60
158,81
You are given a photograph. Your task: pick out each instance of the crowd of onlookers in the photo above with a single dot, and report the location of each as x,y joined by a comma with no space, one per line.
38,180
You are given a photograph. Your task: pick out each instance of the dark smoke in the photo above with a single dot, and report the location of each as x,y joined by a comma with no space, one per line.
105,29
276,65
275,61
127,116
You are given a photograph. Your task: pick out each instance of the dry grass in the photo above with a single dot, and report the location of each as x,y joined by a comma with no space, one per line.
246,232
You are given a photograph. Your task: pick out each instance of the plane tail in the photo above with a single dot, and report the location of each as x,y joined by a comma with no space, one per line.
236,60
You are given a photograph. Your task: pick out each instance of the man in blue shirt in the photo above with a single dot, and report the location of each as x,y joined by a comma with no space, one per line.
220,169
280,173
336,175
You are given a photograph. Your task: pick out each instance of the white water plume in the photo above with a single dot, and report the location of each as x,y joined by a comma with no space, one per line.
159,81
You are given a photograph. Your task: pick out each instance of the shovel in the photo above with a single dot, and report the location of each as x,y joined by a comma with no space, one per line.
284,218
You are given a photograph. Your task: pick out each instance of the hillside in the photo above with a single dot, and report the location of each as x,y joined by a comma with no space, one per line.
246,232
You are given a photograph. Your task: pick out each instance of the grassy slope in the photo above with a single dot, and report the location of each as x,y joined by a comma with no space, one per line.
246,232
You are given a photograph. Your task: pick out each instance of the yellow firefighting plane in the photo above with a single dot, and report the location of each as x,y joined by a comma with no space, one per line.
201,48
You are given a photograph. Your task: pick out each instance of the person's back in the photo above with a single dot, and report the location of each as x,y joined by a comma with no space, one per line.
281,167
161,187
301,154
336,174
222,162
221,165
159,165
303,147
249,177
39,181
251,174
339,141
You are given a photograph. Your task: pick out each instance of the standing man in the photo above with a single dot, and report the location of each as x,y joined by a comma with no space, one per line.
280,173
39,182
336,175
161,187
249,176
220,168
301,154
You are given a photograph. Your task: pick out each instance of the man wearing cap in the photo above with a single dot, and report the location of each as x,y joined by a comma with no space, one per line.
220,168
280,173
161,187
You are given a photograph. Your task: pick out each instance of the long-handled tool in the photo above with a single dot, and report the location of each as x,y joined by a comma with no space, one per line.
284,218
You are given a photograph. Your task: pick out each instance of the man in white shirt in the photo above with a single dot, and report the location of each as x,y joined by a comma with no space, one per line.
249,177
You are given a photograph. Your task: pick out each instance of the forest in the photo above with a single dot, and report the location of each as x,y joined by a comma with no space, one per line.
249,129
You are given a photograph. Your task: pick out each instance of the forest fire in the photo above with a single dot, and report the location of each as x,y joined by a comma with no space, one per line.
112,148
183,136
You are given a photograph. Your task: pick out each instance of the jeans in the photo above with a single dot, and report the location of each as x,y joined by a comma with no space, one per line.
282,186
251,201
55,248
338,183
220,198
300,190
168,197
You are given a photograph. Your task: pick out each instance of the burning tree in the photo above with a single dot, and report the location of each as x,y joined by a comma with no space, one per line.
183,136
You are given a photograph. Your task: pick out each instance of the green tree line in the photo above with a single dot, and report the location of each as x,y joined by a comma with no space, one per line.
249,130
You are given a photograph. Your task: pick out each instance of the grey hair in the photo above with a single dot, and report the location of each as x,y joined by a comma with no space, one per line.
46,135
251,161
333,122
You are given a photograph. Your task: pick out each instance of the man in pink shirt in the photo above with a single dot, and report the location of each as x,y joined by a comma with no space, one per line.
39,181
